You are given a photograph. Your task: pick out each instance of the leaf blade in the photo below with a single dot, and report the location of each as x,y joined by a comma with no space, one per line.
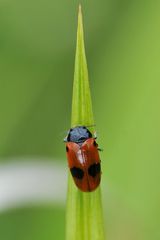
84,217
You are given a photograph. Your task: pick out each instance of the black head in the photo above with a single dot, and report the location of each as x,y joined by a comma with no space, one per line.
78,134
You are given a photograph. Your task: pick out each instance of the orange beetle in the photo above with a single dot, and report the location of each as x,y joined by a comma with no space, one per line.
83,158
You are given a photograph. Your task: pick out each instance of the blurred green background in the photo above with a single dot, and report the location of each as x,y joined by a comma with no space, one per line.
37,48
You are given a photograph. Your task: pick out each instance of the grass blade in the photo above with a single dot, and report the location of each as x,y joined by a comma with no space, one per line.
84,218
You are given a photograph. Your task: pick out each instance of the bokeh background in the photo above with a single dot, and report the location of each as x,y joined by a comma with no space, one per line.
37,48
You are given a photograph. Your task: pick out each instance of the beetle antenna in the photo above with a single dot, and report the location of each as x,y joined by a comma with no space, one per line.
62,134
100,149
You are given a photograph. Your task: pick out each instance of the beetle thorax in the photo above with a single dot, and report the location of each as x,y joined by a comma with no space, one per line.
79,134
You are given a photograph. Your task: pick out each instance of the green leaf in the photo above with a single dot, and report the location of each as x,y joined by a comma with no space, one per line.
84,218
81,102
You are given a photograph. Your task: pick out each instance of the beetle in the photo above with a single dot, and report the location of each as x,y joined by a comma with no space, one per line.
83,158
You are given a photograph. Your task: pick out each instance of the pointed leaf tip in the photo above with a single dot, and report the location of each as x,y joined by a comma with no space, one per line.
81,101
80,19
80,9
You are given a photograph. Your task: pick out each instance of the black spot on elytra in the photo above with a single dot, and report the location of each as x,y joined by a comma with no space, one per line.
77,172
94,169
67,149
